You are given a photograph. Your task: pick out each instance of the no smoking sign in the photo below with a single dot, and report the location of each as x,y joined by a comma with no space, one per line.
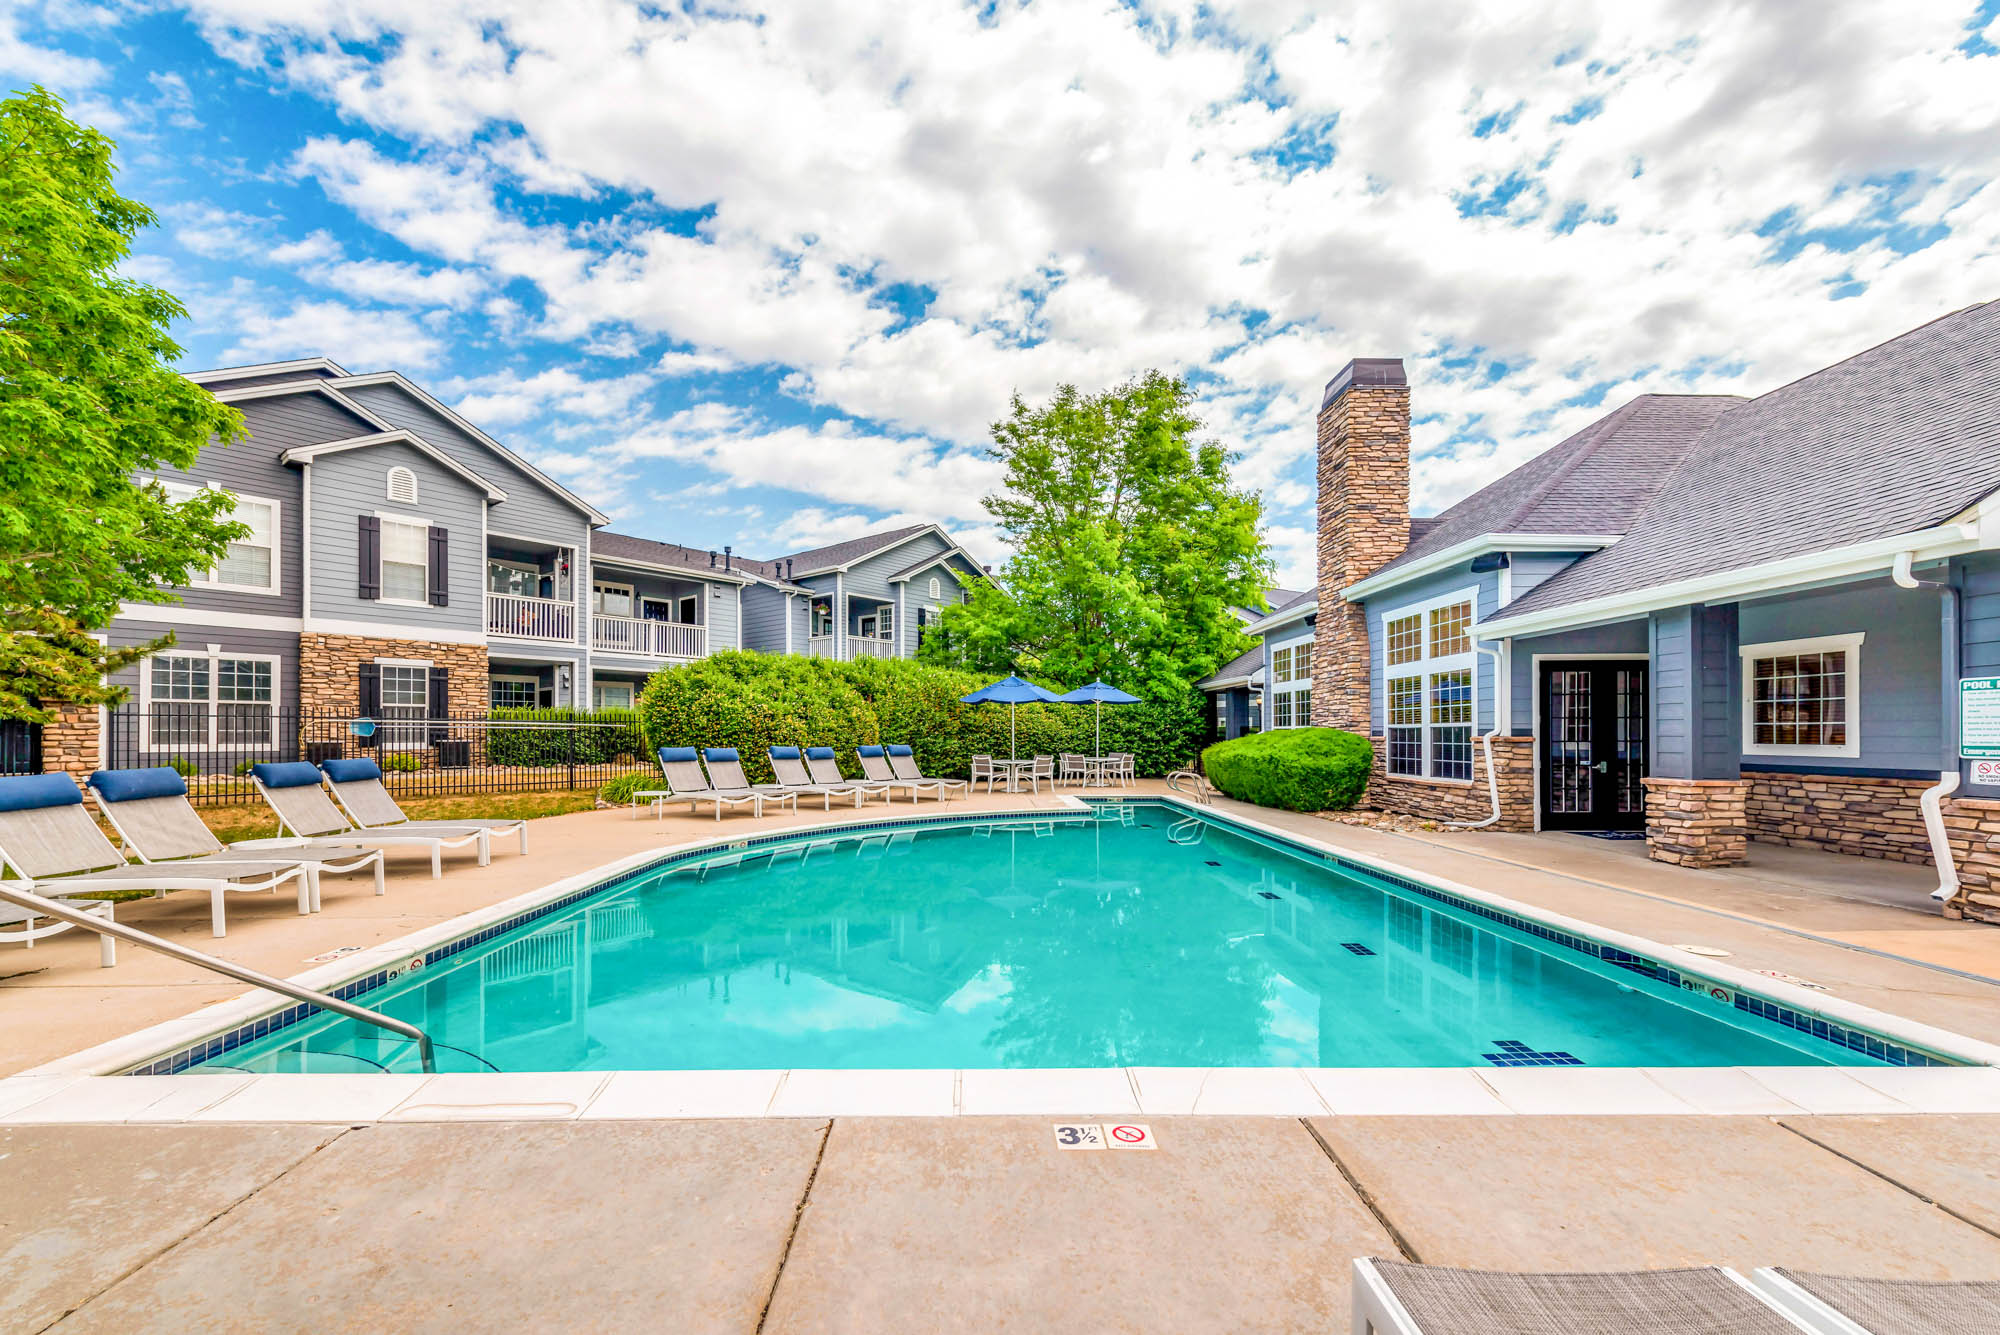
1109,1135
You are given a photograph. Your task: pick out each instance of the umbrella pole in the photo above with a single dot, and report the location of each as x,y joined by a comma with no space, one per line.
1013,740
1100,730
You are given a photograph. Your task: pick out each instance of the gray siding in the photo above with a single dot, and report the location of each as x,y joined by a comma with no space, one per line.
1695,714
869,577
1530,569
1900,666
1979,632
764,620
196,639
715,607
1486,603
353,483
1625,637
917,593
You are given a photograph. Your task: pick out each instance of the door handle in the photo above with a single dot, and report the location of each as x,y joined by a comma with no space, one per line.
1602,767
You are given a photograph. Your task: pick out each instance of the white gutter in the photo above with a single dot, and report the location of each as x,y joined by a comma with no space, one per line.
1836,563
1931,802
1461,552
1486,745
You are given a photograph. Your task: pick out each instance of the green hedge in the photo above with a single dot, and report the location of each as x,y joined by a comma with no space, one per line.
616,738
1300,769
753,701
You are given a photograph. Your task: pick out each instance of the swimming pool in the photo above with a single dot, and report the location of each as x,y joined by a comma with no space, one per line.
1133,934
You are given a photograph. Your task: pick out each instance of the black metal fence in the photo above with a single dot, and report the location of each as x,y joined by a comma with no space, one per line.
421,755
20,747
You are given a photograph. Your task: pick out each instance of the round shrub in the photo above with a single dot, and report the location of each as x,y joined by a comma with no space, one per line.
1299,769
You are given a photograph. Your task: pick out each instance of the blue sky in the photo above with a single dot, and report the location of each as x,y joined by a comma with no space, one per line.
765,278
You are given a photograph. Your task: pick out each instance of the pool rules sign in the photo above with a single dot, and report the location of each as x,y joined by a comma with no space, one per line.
1979,727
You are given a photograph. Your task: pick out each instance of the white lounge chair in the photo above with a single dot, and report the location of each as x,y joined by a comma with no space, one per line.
903,763
55,848
875,768
688,782
18,924
1846,1305
725,771
789,764
1397,1298
357,785
150,810
824,768
292,790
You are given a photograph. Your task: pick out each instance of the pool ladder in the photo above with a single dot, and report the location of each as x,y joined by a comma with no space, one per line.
50,908
1190,831
1189,783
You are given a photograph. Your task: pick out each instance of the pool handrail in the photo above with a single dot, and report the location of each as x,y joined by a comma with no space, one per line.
52,908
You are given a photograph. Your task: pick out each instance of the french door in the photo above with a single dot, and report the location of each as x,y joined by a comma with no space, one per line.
1593,743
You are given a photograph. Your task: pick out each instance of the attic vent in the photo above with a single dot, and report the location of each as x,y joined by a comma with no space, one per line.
936,588
402,486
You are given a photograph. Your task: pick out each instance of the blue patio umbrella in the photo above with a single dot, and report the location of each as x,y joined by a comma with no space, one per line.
1010,691
1099,694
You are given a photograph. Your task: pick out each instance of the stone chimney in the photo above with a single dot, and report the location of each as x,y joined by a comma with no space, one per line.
1364,523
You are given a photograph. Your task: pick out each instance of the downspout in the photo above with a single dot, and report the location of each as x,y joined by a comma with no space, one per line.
1932,800
1486,745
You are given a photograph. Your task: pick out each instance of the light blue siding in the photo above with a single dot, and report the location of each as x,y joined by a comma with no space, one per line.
1486,603
1530,569
1979,633
917,593
353,483
1694,704
764,610
1624,637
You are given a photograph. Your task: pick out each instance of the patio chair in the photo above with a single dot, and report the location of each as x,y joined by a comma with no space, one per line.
688,782
54,847
725,771
1842,1304
983,768
823,768
875,768
789,764
357,785
150,810
1397,1298
903,762
304,809
1075,769
1043,768
1121,767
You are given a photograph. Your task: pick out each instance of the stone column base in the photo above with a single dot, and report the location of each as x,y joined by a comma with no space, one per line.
1697,822
73,741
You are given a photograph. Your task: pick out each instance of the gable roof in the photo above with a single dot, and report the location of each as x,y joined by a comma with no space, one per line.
1305,604
839,555
306,368
942,558
1592,485
303,454
1894,440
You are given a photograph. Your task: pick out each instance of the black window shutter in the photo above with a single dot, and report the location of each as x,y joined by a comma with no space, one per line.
370,704
370,550
440,574
440,701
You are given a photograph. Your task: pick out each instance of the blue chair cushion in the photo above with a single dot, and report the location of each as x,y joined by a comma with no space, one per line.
351,771
783,752
720,755
901,751
870,751
819,753
129,785
289,774
30,792
676,755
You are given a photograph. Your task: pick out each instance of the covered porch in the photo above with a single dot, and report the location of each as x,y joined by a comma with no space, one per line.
641,612
850,626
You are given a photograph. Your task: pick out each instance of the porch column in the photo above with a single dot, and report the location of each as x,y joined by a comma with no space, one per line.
1696,795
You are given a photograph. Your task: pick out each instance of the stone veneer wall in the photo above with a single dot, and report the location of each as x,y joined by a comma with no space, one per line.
1697,822
330,677
1513,758
1364,523
74,740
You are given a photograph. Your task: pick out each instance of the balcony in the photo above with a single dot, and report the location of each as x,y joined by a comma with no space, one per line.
648,639
523,618
858,646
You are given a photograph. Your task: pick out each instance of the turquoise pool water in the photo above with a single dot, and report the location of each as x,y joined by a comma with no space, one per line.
1131,937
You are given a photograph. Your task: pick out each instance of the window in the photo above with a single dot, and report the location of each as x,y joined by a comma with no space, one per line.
406,561
1290,685
885,623
406,694
513,577
611,695
209,700
402,486
1803,697
513,692
1429,708
611,600
251,563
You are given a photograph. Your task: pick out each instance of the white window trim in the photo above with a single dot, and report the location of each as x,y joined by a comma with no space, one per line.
597,686
516,678
407,521
1747,655
1297,685
212,653
1424,667
205,579
631,595
391,734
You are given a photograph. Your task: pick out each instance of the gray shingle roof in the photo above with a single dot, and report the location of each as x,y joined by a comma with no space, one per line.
1304,596
1596,481
617,546
1895,439
934,558
841,553
1240,666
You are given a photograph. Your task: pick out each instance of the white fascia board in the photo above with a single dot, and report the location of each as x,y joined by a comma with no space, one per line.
717,574
943,559
423,396
1296,612
874,552
176,614
227,373
1384,580
1224,683
391,631
323,388
1858,560
304,454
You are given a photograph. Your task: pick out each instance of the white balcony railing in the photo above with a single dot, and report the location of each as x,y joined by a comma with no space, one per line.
820,646
859,647
530,618
648,639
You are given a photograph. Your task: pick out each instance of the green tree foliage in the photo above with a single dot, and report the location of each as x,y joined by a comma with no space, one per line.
753,701
1130,546
88,399
1299,769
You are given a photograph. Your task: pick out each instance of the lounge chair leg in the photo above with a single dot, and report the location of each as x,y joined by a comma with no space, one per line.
306,889
107,949
381,882
215,924
437,861
485,846
524,838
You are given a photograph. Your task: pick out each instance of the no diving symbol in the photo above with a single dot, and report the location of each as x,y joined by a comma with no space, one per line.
1132,1137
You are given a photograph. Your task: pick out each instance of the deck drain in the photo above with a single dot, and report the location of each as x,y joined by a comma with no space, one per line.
1355,948
1211,864
1709,952
1266,894
1513,1052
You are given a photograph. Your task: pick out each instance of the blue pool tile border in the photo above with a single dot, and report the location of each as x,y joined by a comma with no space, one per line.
1759,1008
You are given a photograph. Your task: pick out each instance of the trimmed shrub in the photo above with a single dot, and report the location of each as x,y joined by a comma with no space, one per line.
399,762
752,701
1299,769
599,745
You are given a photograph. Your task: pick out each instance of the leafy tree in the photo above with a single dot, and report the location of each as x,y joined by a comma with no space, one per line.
1130,546
88,399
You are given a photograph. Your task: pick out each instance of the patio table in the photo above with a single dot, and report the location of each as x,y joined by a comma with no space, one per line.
1014,769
